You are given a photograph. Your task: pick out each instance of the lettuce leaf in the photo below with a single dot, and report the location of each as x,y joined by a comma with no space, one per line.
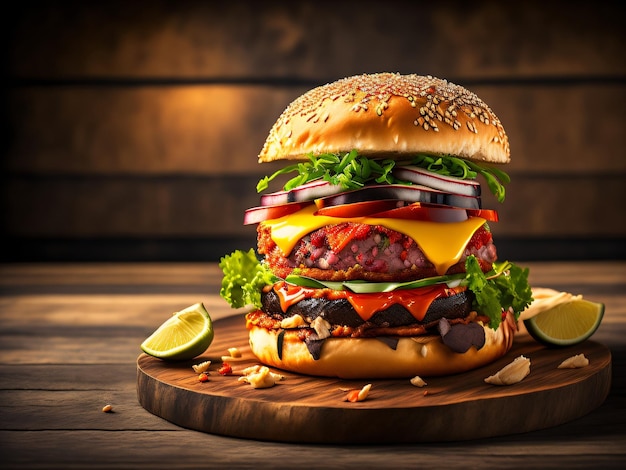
505,287
244,277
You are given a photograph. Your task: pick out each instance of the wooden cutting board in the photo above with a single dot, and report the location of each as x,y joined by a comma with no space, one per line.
307,409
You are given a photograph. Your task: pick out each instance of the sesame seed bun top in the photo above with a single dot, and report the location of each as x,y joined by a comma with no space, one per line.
391,114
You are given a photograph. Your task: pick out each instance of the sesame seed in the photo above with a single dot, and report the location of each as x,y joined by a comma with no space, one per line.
435,100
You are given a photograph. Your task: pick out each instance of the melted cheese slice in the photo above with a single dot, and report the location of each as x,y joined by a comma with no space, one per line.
442,243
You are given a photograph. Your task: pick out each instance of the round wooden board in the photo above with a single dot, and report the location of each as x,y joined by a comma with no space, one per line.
312,409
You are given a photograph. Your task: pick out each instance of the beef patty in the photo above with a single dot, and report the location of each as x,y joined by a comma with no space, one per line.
349,251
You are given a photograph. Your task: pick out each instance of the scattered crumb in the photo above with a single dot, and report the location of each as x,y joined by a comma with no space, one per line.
234,352
203,377
574,362
512,373
202,367
107,409
418,381
260,377
358,395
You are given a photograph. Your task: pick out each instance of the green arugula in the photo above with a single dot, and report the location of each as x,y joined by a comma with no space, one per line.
350,171
353,171
448,165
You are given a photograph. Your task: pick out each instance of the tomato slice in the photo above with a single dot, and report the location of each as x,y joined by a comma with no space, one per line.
254,215
359,209
427,212
396,209
437,213
487,214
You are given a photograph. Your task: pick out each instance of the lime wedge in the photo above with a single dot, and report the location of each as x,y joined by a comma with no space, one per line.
566,324
185,335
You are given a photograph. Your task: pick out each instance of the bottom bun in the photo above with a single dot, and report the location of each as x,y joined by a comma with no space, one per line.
369,358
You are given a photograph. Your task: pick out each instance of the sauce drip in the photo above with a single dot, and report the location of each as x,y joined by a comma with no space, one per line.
416,301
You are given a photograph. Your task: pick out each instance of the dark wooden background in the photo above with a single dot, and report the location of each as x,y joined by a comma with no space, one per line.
132,128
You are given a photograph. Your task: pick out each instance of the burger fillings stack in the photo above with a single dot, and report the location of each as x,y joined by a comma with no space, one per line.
377,260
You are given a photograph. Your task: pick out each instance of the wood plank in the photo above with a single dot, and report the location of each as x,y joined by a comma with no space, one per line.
96,379
220,129
132,311
118,277
163,449
199,39
76,409
210,130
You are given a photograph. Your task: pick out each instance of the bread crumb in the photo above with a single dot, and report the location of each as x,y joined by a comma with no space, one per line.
574,362
418,381
512,373
202,367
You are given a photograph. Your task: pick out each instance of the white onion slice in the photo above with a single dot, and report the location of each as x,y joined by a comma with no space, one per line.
306,192
410,193
450,184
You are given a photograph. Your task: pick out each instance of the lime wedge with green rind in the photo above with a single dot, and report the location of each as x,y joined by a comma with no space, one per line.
566,324
185,335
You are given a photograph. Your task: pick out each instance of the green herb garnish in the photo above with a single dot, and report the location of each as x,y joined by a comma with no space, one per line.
506,286
353,171
350,171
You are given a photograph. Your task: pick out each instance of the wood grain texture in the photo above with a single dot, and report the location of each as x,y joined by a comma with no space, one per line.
314,38
313,410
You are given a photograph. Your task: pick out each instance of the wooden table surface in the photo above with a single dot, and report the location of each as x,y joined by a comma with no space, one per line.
69,341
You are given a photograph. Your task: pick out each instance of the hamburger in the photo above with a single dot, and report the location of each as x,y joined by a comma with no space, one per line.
375,257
